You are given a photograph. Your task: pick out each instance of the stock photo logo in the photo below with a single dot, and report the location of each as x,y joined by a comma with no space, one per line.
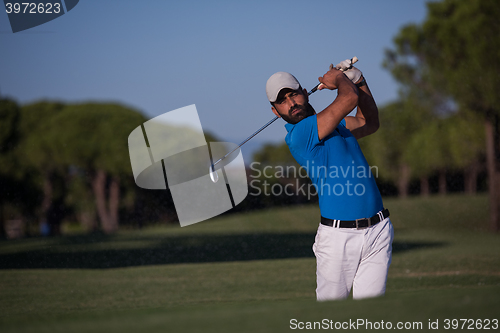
27,14
170,151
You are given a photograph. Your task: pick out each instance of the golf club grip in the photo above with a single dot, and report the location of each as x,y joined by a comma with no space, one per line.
354,60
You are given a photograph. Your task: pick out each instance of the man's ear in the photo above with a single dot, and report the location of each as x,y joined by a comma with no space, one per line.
275,112
306,94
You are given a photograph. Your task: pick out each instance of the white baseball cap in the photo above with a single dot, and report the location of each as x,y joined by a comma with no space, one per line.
279,81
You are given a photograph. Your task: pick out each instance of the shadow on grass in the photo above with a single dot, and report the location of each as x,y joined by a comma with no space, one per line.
100,251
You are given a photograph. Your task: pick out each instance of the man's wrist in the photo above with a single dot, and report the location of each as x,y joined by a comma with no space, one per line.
361,83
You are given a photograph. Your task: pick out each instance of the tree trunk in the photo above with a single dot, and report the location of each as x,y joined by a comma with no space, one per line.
492,164
114,201
99,187
47,200
53,209
442,182
424,186
107,211
404,180
470,178
87,219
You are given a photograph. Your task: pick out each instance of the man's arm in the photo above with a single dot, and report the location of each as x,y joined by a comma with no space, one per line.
344,103
366,121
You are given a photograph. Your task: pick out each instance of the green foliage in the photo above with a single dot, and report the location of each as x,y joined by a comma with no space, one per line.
467,138
64,144
455,51
19,193
388,147
33,152
452,56
80,196
32,166
92,136
274,154
9,134
428,150
462,43
9,119
84,138
36,114
423,141
51,151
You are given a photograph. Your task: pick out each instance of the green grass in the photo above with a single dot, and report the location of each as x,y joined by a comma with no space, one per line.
249,272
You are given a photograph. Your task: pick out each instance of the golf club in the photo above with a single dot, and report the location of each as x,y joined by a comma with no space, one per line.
213,174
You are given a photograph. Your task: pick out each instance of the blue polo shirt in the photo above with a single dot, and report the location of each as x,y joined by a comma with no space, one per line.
337,167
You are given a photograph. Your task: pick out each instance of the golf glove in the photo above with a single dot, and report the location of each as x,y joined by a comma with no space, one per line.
351,72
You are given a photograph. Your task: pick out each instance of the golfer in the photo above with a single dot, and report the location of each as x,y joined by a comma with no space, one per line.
353,244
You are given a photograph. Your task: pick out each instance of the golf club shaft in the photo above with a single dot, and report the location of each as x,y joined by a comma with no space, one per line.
258,131
353,60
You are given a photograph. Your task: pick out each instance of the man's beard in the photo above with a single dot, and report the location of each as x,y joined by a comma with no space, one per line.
298,113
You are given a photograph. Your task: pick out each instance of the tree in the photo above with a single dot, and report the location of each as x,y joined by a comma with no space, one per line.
274,154
9,123
9,135
91,139
429,151
456,51
467,146
388,147
40,164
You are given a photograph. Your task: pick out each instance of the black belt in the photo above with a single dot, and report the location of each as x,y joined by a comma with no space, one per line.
359,223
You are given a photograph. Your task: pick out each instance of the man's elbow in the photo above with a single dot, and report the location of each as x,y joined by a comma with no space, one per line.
374,126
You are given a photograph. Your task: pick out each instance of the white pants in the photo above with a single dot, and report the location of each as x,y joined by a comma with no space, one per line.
348,257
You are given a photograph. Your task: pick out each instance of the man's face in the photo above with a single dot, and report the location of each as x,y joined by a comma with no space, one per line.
292,105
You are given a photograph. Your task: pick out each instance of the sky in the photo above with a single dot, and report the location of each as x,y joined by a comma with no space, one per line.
156,56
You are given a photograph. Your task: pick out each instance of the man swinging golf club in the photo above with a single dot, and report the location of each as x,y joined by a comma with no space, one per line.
353,244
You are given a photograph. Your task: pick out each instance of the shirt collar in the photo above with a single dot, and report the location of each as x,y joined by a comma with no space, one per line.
289,127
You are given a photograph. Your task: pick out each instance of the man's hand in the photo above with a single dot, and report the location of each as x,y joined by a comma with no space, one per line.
331,79
343,65
351,72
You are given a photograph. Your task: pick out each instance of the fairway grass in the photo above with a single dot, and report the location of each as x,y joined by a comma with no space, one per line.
251,272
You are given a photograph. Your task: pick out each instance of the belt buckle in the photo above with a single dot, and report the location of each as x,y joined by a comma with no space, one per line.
361,228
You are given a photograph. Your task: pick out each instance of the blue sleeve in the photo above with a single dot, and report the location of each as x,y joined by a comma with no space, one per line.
343,123
304,137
